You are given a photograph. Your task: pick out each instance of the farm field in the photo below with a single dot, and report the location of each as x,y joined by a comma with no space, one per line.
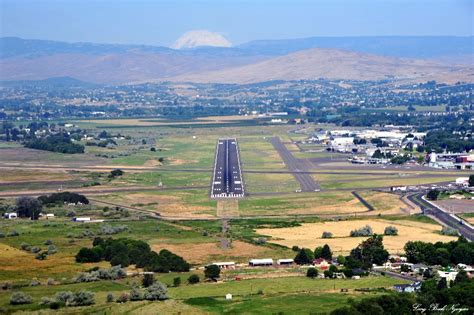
309,234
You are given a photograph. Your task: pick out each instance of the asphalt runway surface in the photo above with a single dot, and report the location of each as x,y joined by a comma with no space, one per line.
440,215
307,183
227,178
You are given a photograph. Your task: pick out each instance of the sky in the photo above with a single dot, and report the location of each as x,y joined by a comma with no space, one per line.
161,22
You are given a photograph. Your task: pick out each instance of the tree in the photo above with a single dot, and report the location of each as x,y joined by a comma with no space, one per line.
193,279
461,277
304,257
326,235
433,194
212,271
148,280
471,181
135,295
318,252
120,259
312,273
341,260
442,284
28,207
176,281
157,291
326,252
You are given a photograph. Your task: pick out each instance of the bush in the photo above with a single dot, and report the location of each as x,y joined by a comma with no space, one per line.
46,301
35,249
41,256
312,272
449,231
13,233
177,281
135,295
114,273
295,248
390,230
157,291
193,279
82,298
63,197
123,298
48,242
25,246
52,249
50,281
110,230
19,298
64,297
363,231
34,283
327,235
110,298
433,194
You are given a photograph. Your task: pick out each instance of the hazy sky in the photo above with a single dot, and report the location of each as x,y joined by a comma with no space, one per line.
162,22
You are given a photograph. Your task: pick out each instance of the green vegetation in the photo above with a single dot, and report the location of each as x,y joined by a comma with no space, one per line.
56,143
460,251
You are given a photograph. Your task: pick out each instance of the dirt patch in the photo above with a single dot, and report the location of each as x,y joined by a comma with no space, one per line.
209,252
457,206
309,235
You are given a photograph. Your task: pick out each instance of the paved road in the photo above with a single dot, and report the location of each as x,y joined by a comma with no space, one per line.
444,217
396,275
363,201
227,178
307,183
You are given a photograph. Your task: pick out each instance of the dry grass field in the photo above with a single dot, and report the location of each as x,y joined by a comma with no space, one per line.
309,234
19,175
200,253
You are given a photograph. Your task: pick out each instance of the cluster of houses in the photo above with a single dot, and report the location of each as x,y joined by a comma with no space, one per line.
400,265
460,161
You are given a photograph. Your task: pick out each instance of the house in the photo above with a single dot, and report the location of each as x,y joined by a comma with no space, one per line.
408,288
419,268
448,275
284,262
261,262
321,263
10,215
225,264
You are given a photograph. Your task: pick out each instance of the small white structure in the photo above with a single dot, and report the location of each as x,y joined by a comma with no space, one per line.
285,261
261,262
49,215
228,297
225,264
10,215
83,219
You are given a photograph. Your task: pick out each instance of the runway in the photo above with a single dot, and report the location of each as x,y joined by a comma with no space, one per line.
227,177
307,183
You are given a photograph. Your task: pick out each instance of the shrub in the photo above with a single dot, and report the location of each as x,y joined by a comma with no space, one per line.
13,233
327,235
390,230
193,279
82,298
109,230
123,298
449,231
19,298
35,249
50,281
64,297
34,283
363,231
2,235
135,295
260,241
41,256
110,298
46,301
25,246
52,249
157,291
312,272
48,242
176,281
295,248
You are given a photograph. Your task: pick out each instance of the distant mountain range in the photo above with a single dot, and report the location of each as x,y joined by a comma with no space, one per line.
364,58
